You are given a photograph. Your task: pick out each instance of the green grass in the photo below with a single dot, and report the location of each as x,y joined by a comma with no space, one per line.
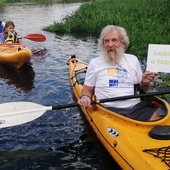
147,22
44,1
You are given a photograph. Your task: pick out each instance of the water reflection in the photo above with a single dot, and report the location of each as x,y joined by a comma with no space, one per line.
22,78
7,158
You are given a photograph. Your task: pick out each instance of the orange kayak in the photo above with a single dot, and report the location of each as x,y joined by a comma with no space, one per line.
135,145
14,54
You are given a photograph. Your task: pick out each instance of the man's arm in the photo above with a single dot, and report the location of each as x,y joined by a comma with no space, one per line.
85,99
147,78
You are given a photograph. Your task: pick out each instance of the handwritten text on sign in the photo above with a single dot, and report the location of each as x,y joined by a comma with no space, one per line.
158,59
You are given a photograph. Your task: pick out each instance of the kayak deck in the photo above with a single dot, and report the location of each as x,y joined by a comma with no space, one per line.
127,140
14,54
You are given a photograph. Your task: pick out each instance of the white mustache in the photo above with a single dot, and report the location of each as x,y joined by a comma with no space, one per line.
111,49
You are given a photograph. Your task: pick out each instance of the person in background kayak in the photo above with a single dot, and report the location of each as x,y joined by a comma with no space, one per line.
8,34
2,24
116,73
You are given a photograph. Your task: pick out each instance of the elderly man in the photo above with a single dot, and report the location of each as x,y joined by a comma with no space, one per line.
116,73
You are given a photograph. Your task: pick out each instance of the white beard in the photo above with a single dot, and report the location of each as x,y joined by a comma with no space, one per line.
113,57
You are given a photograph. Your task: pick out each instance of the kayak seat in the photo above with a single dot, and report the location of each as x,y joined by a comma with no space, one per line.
160,132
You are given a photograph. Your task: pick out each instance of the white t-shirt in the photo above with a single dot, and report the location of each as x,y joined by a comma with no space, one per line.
114,80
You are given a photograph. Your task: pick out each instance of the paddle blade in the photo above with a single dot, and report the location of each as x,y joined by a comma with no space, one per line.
36,37
16,113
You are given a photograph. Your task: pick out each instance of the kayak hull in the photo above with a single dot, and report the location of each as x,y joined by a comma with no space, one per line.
126,140
14,54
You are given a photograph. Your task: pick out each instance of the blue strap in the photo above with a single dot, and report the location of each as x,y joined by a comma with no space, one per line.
1,38
1,26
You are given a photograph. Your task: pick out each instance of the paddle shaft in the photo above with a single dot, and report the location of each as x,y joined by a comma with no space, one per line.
16,113
113,99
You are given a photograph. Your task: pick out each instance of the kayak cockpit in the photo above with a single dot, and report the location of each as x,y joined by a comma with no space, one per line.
156,102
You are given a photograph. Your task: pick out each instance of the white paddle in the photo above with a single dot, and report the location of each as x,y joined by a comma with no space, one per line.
16,113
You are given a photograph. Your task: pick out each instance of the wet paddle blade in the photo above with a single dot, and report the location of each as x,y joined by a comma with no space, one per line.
36,37
16,113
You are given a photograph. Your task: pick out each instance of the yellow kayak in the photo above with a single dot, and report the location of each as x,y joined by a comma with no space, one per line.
14,54
133,144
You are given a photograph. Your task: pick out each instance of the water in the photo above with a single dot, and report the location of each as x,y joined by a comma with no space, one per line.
59,139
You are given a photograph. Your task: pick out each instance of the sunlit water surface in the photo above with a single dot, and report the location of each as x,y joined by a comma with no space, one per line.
59,139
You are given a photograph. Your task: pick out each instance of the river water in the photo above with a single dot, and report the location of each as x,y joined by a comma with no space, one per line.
59,139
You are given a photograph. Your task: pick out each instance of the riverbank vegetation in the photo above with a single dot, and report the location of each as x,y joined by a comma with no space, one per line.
44,1
147,22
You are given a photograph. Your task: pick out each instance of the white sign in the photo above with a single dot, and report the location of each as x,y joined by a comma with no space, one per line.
158,59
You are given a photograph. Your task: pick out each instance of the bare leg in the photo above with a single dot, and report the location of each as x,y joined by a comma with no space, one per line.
154,117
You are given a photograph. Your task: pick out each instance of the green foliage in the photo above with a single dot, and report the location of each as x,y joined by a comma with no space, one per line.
147,22
166,81
44,1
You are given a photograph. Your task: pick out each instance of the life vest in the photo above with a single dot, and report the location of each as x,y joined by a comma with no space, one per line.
10,37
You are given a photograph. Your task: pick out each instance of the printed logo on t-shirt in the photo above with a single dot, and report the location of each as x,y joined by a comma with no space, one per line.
112,71
121,77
